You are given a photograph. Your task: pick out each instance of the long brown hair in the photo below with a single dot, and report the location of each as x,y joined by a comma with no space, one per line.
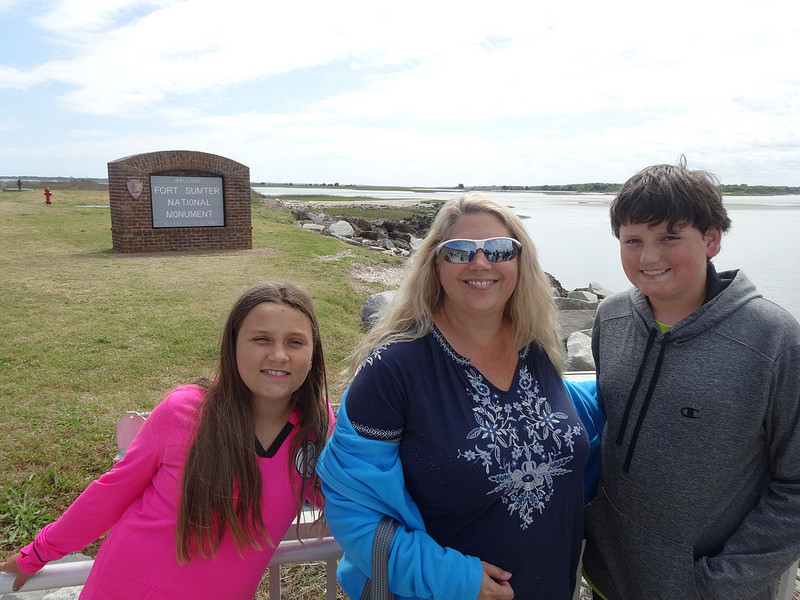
222,487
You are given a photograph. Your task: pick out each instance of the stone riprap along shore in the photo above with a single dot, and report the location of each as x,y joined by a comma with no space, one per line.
390,236
576,308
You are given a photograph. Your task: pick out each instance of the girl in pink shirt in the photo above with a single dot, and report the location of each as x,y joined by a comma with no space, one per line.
217,473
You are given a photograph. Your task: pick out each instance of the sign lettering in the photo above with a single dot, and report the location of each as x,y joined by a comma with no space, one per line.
187,201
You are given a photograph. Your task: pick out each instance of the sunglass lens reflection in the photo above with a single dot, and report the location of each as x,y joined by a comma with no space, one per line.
463,251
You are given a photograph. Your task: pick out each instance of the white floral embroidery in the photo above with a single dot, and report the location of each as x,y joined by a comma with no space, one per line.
522,445
372,357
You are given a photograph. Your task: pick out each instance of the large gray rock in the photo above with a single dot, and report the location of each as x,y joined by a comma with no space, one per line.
575,303
579,351
570,321
342,229
600,290
374,307
583,295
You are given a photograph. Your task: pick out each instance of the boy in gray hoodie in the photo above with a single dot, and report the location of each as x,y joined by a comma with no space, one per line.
700,377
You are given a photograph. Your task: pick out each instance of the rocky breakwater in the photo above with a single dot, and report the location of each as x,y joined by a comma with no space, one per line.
390,236
576,308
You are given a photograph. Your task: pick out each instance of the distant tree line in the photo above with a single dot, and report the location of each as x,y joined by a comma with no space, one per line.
597,188
741,189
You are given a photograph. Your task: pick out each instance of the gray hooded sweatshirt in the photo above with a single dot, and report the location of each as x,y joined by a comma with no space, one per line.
700,483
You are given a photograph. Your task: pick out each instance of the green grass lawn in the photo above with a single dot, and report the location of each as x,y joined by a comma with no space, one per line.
87,333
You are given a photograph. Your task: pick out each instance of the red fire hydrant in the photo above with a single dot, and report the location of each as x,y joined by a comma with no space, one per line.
47,195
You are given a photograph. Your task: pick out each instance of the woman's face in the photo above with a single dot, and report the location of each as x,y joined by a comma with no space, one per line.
479,286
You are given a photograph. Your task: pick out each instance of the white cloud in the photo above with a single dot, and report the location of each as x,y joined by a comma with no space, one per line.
509,91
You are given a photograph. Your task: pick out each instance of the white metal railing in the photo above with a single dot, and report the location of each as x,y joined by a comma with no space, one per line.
313,548
53,576
59,575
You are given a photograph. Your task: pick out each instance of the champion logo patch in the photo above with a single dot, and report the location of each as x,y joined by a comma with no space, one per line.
690,412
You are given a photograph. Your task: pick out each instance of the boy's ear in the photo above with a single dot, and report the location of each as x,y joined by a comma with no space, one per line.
713,239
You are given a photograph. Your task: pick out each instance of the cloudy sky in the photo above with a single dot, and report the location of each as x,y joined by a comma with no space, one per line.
428,93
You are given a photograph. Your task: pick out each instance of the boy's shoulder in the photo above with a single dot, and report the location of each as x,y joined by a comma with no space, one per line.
619,304
750,307
762,319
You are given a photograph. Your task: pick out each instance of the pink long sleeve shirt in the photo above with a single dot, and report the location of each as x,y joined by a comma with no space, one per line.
138,500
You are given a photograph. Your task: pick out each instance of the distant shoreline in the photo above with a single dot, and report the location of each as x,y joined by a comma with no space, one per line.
94,183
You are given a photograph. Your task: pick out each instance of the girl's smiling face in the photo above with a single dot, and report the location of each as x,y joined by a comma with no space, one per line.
274,350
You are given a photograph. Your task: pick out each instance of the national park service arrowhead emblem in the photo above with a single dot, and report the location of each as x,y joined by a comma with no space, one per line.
135,187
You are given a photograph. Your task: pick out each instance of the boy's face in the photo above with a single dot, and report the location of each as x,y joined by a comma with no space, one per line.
668,267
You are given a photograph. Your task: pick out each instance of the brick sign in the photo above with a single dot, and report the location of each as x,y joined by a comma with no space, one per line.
179,200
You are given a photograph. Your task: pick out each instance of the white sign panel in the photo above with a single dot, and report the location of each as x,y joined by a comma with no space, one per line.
187,201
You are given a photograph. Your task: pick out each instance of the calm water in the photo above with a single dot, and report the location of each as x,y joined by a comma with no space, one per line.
575,244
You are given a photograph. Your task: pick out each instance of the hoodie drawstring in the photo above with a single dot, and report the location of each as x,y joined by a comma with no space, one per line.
648,396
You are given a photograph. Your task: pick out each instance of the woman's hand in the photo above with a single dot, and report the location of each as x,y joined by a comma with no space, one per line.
10,566
495,584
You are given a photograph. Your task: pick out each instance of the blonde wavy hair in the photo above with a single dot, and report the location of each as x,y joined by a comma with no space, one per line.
531,308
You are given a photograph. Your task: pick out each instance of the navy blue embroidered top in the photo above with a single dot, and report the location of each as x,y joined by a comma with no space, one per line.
496,474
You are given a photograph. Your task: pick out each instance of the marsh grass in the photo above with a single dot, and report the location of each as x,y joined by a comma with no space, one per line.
87,333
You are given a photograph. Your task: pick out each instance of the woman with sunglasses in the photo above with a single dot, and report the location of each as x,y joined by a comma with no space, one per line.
458,424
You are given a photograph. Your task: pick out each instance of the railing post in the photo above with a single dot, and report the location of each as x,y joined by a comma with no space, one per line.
274,582
331,583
